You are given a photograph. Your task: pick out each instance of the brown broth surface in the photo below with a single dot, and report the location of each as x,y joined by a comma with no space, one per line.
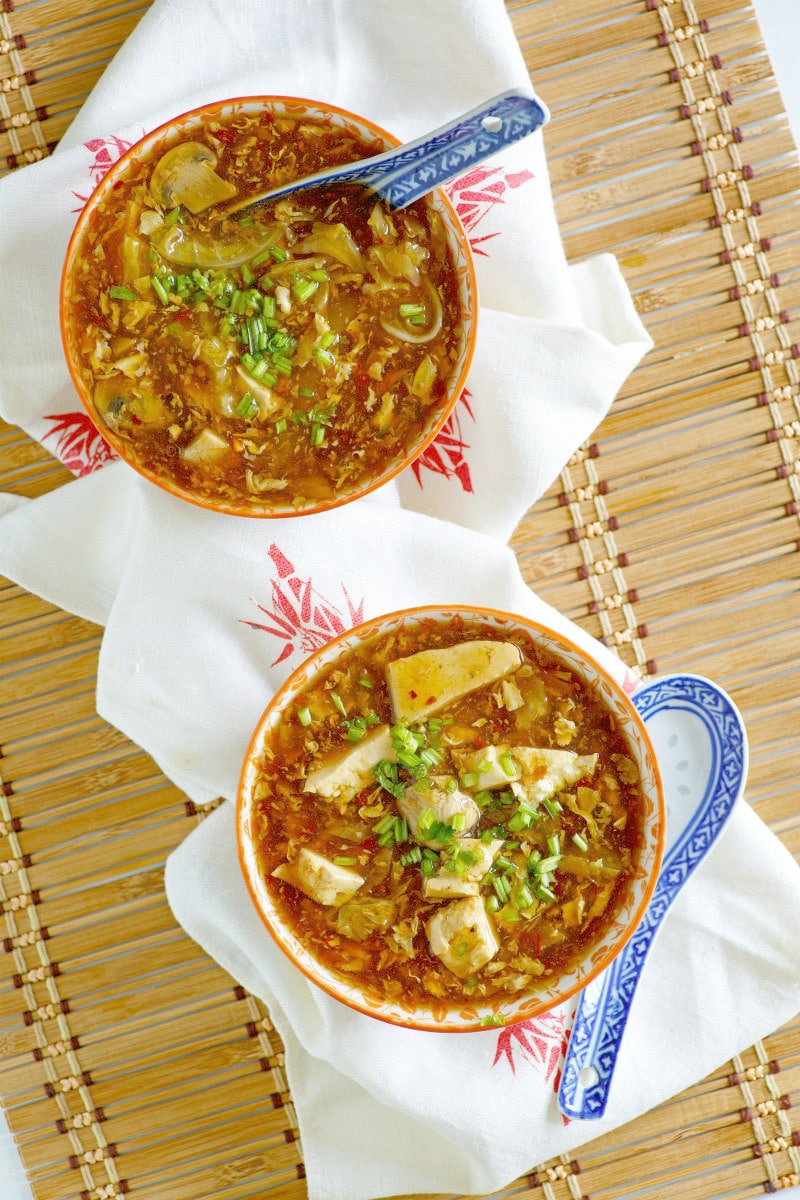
294,375
378,938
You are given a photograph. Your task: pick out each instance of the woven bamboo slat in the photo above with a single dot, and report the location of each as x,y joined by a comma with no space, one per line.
129,1062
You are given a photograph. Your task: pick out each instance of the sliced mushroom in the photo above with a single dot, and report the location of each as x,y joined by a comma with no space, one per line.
185,175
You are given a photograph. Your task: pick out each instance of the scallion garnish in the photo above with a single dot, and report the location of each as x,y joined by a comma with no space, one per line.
507,764
339,703
345,860
411,310
118,292
580,841
247,406
159,289
278,254
304,716
304,289
323,356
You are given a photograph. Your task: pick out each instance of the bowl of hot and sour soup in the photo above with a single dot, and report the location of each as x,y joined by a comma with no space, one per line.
277,362
450,818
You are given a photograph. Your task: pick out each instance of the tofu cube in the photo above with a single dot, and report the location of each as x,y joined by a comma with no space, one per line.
461,935
319,878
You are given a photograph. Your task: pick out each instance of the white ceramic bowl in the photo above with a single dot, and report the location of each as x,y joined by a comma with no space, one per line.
598,954
180,128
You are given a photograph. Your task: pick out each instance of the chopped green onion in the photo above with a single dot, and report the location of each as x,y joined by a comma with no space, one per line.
174,216
324,356
470,780
450,786
365,683
554,844
458,821
385,824
304,716
328,339
523,897
545,865
493,1021
159,289
483,766
502,887
411,310
345,860
278,254
317,435
580,841
306,393
507,763
118,292
356,729
304,289
282,364
339,703
425,821
247,274
553,807
260,258
320,275
247,406
412,856
491,904
281,425
428,868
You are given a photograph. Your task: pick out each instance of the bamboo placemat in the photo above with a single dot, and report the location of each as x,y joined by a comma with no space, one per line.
129,1062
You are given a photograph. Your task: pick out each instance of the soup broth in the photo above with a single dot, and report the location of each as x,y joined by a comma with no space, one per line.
289,356
447,814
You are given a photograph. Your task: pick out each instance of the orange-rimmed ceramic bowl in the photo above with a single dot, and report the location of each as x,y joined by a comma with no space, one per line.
88,362
467,1015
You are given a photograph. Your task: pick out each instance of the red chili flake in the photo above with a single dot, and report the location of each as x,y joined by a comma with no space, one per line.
183,315
119,184
370,843
431,700
136,420
381,889
413,695
224,135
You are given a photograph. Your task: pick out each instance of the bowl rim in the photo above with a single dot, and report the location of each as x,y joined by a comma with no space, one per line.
274,710
106,184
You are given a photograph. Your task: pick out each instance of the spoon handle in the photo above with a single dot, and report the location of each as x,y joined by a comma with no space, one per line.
405,173
604,1005
433,160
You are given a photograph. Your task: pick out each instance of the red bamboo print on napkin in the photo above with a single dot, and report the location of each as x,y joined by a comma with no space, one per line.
478,193
446,454
105,153
299,616
541,1041
79,445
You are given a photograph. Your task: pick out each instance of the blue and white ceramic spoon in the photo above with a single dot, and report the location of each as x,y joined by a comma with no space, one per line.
407,172
701,746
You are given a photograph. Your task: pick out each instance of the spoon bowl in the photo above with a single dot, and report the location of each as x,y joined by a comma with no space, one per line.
701,745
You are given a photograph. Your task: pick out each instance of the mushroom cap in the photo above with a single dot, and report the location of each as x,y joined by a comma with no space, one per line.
185,175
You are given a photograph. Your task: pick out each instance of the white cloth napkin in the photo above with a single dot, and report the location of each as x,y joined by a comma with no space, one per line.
205,615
